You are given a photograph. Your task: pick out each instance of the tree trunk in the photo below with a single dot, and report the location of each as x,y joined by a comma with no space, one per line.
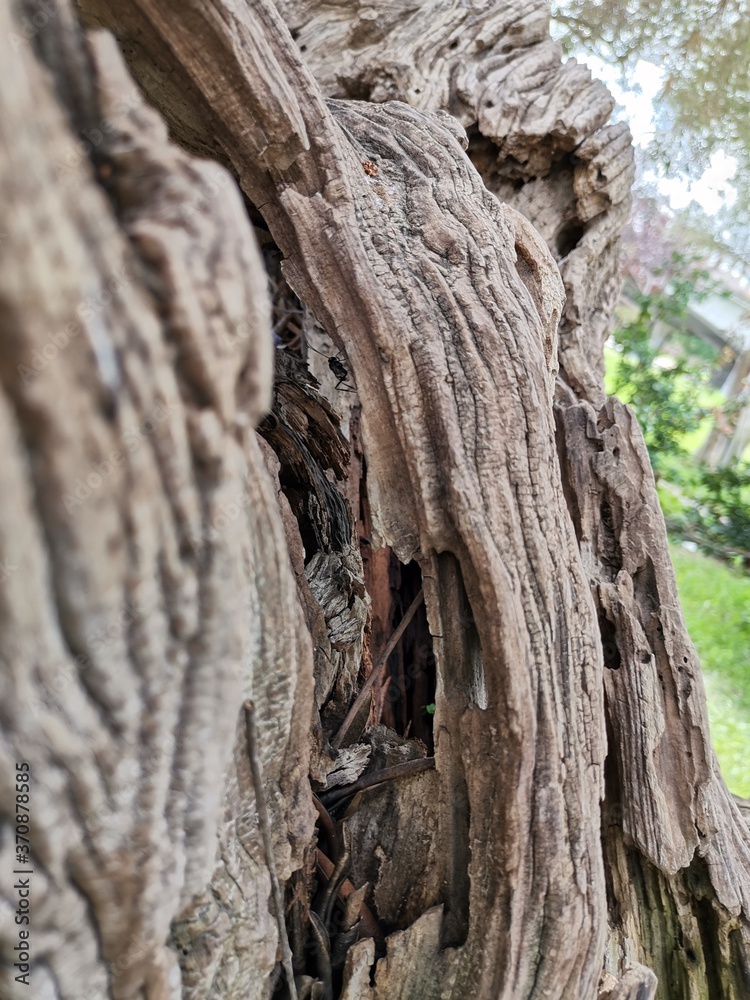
438,199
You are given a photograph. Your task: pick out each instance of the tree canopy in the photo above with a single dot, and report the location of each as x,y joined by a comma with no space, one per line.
703,48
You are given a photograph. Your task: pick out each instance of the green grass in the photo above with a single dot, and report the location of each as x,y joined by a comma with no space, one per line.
716,602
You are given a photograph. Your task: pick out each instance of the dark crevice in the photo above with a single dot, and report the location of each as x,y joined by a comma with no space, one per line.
610,553
304,433
256,218
569,491
410,669
567,238
354,90
684,947
610,648
611,819
410,673
464,688
303,428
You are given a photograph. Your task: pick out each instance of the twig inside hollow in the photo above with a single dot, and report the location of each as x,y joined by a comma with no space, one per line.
375,672
370,926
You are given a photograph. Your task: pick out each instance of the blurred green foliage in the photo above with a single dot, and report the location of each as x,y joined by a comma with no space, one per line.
718,516
671,397
669,393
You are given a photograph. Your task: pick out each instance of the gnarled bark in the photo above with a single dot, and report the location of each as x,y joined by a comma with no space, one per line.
144,538
551,612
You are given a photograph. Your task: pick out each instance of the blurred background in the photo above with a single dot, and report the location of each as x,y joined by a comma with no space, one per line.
680,352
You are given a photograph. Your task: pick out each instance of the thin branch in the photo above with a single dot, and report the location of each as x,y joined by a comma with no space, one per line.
375,672
251,734
340,872
370,926
378,777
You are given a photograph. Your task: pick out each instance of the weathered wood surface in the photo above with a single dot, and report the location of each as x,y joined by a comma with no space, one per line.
673,835
537,130
144,539
449,307
451,344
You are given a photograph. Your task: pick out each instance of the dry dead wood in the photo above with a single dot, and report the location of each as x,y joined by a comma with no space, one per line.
547,583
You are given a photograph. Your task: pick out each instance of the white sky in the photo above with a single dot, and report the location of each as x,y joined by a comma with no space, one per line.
713,188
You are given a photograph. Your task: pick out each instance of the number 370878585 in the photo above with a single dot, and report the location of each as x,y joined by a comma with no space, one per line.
23,799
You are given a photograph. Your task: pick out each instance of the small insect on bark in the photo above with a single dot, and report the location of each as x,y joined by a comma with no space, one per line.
339,369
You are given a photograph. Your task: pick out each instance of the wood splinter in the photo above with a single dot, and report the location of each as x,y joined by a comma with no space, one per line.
251,734
403,770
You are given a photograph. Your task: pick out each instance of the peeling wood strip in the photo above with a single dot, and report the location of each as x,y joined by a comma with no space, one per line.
404,770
